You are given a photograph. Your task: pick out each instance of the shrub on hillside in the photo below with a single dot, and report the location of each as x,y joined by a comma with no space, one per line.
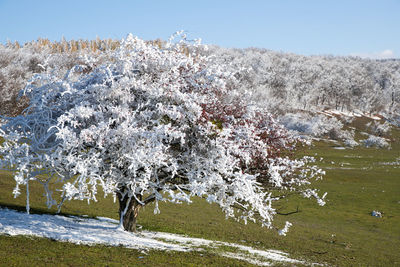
375,141
379,128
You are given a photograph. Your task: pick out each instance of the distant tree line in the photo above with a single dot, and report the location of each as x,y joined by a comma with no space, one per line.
286,82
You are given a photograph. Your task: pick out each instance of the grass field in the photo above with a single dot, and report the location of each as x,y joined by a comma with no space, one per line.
342,233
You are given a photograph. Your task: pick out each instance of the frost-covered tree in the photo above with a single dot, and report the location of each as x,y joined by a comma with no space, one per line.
155,123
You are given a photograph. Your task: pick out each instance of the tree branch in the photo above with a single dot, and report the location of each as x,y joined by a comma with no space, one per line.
289,213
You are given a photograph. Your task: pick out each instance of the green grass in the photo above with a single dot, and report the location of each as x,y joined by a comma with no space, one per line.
25,251
342,233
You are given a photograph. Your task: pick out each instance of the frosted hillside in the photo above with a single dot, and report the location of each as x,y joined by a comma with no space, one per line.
294,88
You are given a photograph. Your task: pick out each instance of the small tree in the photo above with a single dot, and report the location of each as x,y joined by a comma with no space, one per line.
154,124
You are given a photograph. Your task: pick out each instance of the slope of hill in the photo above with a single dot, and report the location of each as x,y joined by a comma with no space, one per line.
296,89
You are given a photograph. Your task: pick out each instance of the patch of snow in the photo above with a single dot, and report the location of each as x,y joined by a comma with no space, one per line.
105,219
343,113
396,162
357,114
76,230
347,168
339,147
354,113
252,261
84,230
373,117
285,229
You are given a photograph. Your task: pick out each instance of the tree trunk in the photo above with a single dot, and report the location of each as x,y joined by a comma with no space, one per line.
128,211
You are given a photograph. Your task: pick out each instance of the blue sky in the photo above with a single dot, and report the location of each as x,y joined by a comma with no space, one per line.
337,27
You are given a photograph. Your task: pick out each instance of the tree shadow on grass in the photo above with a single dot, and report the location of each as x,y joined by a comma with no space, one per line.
40,211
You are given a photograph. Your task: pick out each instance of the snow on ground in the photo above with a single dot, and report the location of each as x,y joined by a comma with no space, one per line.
351,114
82,230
